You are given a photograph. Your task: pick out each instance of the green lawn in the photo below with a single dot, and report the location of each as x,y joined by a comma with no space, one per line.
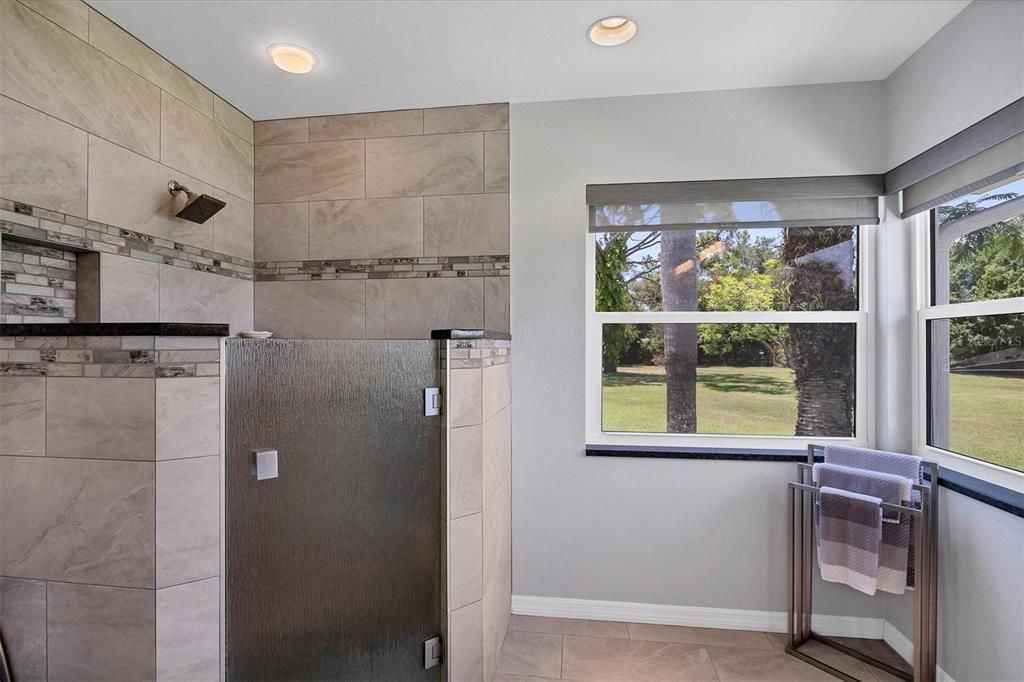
987,418
987,412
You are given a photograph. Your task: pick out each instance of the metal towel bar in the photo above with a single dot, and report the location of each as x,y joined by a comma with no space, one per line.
801,495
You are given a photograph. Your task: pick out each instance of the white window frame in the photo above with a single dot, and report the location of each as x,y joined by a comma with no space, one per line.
978,468
864,420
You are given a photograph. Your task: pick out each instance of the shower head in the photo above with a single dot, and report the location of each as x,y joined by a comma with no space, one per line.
199,208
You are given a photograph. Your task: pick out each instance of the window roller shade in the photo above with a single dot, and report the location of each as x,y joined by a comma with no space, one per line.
996,163
720,204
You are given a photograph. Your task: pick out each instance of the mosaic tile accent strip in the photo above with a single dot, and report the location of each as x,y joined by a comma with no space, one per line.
140,357
384,268
39,224
473,353
37,283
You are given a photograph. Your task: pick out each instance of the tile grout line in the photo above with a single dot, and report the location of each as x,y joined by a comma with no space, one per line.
561,661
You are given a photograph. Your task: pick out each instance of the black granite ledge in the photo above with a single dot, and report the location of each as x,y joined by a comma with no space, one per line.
1005,499
115,329
675,452
470,334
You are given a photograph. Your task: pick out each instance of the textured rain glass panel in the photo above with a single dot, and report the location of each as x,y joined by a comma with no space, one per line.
334,567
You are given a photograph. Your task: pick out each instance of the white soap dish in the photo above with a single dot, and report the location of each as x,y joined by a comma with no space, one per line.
256,335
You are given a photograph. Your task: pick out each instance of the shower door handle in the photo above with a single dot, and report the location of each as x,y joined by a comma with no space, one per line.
264,463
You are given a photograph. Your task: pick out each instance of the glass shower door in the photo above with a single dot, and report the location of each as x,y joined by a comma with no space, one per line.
333,568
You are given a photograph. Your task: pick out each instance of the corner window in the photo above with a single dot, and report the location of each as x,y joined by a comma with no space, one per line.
974,327
730,324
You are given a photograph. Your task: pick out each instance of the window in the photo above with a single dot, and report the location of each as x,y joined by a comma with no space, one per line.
728,323
973,329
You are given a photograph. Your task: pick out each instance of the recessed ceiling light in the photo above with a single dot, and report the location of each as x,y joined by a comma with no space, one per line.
611,31
292,58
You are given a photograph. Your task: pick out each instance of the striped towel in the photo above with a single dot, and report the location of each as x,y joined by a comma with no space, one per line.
895,463
849,538
895,543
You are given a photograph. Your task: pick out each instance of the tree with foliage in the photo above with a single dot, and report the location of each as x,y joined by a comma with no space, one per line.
984,264
612,295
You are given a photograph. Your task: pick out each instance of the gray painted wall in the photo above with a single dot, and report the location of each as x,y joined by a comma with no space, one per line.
660,531
971,68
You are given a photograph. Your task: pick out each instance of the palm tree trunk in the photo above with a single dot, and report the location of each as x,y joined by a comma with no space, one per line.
822,356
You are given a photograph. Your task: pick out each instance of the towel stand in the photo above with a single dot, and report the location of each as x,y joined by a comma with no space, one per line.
801,496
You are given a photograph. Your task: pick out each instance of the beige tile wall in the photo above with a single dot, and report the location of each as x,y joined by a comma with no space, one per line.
478,506
94,125
412,184
109,508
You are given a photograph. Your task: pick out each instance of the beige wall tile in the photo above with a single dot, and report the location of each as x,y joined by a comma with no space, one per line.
129,289
496,162
366,228
496,304
309,171
71,15
318,309
42,159
464,645
232,119
465,545
96,632
466,225
281,131
281,231
188,632
375,124
411,308
23,613
464,397
188,417
425,164
233,226
130,191
497,450
465,471
23,416
187,519
467,118
194,296
100,418
48,69
126,49
78,520
497,562
196,145
497,388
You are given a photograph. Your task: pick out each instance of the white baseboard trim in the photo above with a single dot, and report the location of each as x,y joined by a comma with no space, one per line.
706,617
693,616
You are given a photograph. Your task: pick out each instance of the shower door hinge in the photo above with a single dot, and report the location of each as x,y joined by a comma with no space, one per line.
432,402
432,651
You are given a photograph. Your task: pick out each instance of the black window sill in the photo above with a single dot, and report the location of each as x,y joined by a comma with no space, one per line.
1005,499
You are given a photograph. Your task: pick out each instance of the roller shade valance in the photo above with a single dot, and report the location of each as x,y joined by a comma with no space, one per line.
999,162
718,204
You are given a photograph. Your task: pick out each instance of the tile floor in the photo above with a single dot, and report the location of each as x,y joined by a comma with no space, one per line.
558,648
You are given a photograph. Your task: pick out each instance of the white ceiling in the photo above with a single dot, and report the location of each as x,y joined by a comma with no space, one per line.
393,55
